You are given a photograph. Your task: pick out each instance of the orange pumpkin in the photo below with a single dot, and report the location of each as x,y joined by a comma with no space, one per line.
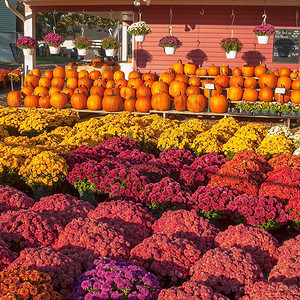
143,104
201,71
194,81
135,82
224,70
40,91
183,78
206,81
266,94
283,98
250,95
235,93
107,75
59,72
127,92
31,80
191,90
84,81
78,101
149,76
189,68
294,74
58,82
161,101
82,89
250,82
216,91
180,102
100,82
196,103
71,73
143,91
284,71
110,84
260,70
218,104
45,82
83,74
236,71
14,99
295,96
284,81
27,90
269,80
296,84
31,101
118,75
166,77
44,102
148,83
236,80
35,72
112,103
59,100
72,83
222,80
94,102
129,105
247,70
54,89
68,91
111,91
95,74
121,83
48,74
134,75
97,90
178,67
213,70
176,88
159,87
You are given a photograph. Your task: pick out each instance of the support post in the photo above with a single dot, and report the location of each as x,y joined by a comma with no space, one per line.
29,30
124,42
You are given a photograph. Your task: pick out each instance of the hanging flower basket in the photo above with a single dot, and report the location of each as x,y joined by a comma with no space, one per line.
54,41
82,52
263,33
110,45
28,44
169,43
139,30
54,50
231,46
140,38
82,43
111,52
28,51
231,54
169,50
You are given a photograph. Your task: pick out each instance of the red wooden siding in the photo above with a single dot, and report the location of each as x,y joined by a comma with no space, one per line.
201,35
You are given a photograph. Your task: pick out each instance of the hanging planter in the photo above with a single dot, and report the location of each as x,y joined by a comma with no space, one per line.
231,46
263,33
139,38
169,50
54,50
28,44
263,39
139,30
110,45
28,51
169,43
82,43
82,52
54,40
111,52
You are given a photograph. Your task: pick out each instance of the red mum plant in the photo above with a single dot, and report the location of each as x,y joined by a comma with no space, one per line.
166,194
226,271
134,156
62,269
24,283
6,257
152,172
190,290
169,257
63,207
25,228
293,210
132,217
201,170
212,201
13,199
261,211
262,246
118,144
290,248
264,290
285,160
188,225
90,238
282,183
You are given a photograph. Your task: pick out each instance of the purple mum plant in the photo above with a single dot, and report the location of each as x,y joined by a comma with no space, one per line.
26,42
264,29
53,39
169,41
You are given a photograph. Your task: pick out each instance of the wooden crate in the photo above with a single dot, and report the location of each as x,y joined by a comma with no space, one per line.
92,68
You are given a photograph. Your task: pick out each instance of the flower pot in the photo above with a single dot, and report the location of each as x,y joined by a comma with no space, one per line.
231,54
110,52
263,39
54,50
257,112
28,51
169,50
82,52
139,38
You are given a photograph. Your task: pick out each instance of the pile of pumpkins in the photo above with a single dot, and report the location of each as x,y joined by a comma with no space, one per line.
181,87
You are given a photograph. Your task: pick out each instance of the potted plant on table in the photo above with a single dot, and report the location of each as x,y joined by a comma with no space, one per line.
27,43
110,45
54,40
82,43
139,30
169,43
263,32
231,46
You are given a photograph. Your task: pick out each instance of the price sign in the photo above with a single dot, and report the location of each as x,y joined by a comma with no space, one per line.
280,90
209,86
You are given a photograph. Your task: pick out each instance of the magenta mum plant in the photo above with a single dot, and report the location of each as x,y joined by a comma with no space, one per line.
82,42
53,39
231,44
169,41
264,29
26,42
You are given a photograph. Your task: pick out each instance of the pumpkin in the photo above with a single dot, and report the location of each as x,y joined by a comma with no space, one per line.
284,71
112,103
192,90
100,82
72,83
39,91
295,96
236,71
294,74
83,74
218,104
143,91
148,83
201,72
127,92
260,70
250,82
111,91
82,89
129,105
283,98
247,70
134,75
68,91
35,72
150,76
31,101
121,83
161,101
73,64
194,81
284,81
94,102
58,82
118,75
206,81
189,68
177,88
250,94
235,93
110,84
180,102
78,101
236,80
159,87
265,94
84,81
59,72
95,74
71,73
178,67
166,77
31,80
45,82
224,70
222,80
48,74
135,82
170,71
97,90
143,104
269,80
213,70
183,78
14,99
296,84
58,100
54,89
44,101
196,103
107,75
27,90
216,91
